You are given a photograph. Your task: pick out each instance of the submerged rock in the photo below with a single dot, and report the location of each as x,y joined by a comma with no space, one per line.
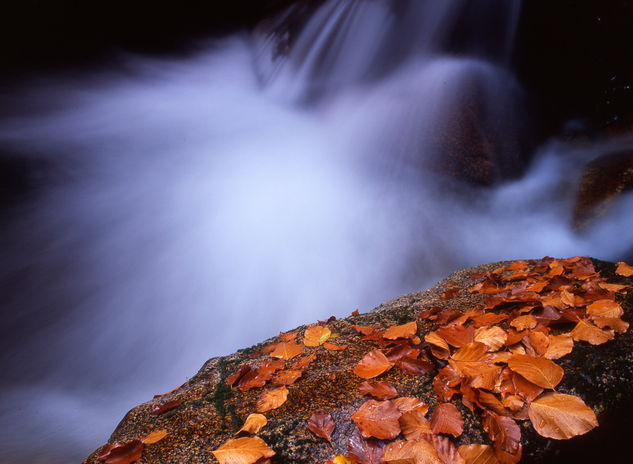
205,412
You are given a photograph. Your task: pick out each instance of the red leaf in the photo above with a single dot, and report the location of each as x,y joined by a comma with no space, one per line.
122,452
365,451
372,365
503,431
161,408
415,366
322,425
447,419
380,390
378,419
231,379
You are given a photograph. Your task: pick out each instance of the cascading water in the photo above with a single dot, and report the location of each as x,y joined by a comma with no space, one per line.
190,208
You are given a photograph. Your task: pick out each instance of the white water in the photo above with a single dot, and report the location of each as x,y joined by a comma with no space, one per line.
195,212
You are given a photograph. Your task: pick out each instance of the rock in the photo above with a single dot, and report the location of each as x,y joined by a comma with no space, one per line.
603,180
208,412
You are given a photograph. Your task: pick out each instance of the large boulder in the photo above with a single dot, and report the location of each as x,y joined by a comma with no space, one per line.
207,411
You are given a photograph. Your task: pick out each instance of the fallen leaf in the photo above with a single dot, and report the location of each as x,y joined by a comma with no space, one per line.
334,347
445,449
322,425
489,319
413,424
246,450
538,341
615,323
271,399
378,419
408,403
270,367
478,454
494,337
415,366
380,390
540,371
605,308
456,335
340,459
402,351
524,388
559,346
287,350
365,329
286,337
560,416
612,287
287,377
365,451
407,330
503,431
472,352
524,322
316,335
253,424
302,363
372,365
588,332
164,407
451,293
624,269
413,452
154,437
122,452
447,419
231,379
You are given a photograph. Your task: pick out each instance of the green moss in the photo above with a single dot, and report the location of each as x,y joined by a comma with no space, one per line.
222,394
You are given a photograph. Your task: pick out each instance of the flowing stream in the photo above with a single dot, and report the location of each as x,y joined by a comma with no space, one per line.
189,207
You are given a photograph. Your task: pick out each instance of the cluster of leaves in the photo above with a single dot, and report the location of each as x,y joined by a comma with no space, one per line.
498,360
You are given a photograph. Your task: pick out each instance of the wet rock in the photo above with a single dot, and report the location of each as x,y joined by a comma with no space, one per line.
603,180
210,412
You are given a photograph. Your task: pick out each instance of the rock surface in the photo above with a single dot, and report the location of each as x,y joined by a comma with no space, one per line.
209,412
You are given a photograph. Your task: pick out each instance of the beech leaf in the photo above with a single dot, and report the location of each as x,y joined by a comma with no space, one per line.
494,337
287,377
271,399
287,350
605,308
559,346
365,451
624,269
408,403
246,450
401,331
316,335
154,437
122,452
372,365
478,454
380,390
447,419
413,425
504,431
322,425
378,419
560,416
586,331
540,371
253,424
414,452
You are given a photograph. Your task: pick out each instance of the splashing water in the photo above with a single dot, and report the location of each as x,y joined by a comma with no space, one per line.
189,211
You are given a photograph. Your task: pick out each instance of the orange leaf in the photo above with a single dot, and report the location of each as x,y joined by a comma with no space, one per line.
538,341
559,416
286,350
524,322
478,454
154,437
413,425
524,388
302,363
504,431
334,347
624,269
378,419
415,366
447,419
488,319
559,346
588,332
286,337
494,337
408,403
162,408
473,352
231,379
246,450
372,365
322,425
122,452
612,287
287,377
446,451
316,335
253,424
614,323
380,390
272,399
412,452
364,451
457,335
434,339
401,331
605,308
540,371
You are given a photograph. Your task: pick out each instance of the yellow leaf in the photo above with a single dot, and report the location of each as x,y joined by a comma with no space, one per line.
245,450
253,424
272,399
401,331
539,371
316,335
624,269
154,437
286,350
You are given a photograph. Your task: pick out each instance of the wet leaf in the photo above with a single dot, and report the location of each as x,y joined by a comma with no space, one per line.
413,452
408,403
316,335
246,450
253,424
524,322
540,371
447,419
472,352
586,331
340,459
407,330
122,452
304,362
559,346
372,365
380,390
402,351
478,454
493,337
624,269
154,437
378,419
287,350
413,424
503,431
560,416
365,451
164,407
334,347
605,308
445,449
322,425
287,377
286,337
415,366
457,335
233,378
271,399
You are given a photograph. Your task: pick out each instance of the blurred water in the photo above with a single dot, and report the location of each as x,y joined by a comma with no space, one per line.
190,210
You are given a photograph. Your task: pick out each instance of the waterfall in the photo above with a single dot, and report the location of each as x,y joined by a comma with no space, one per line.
180,209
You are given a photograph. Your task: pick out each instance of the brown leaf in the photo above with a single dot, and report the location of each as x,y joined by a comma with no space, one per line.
451,293
413,424
480,375
524,322
322,425
302,363
559,346
407,330
365,329
472,352
162,408
316,335
253,424
524,388
503,431
286,350
560,416
334,347
286,337
270,367
246,450
415,366
271,399
445,449
588,332
231,379
380,390
365,451
287,377
605,308
447,419
122,452
614,323
493,337
488,319
624,269
478,454
540,371
372,365
538,341
445,382
411,452
378,419
408,403
457,335
401,351
154,437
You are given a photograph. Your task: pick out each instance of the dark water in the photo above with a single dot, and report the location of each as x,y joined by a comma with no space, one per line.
177,210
